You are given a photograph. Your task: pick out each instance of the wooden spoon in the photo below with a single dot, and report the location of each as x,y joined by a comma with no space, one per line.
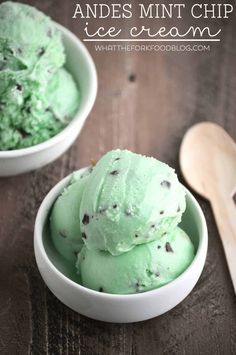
208,163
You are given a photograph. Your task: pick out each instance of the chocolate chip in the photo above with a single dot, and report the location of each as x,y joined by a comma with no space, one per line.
128,212
19,87
22,132
138,285
136,235
164,234
100,289
28,110
149,272
158,247
30,14
41,51
4,58
47,109
117,159
162,212
168,248
49,33
19,50
84,236
178,209
85,219
153,226
11,51
102,210
114,206
2,105
114,172
62,233
165,184
157,274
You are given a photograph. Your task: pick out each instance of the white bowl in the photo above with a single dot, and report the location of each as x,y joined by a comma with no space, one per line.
60,276
81,66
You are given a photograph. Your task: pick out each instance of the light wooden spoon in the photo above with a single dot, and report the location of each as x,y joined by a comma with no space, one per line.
208,163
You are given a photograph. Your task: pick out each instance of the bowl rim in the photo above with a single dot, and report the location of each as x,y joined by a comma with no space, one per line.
79,115
39,246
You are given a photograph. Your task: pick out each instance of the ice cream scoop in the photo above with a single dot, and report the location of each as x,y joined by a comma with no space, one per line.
31,114
129,200
64,220
145,267
38,97
29,42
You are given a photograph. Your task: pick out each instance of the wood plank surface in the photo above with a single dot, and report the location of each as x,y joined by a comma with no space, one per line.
145,103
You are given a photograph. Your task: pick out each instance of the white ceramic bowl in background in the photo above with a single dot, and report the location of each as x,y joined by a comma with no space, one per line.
60,276
81,66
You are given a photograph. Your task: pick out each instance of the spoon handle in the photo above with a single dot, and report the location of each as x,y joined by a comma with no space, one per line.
224,211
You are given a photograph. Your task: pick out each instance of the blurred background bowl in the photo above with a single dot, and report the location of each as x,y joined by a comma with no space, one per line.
81,66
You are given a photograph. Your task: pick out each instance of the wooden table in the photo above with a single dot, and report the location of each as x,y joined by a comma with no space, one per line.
145,103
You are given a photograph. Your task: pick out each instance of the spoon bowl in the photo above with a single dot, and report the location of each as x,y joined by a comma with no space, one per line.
207,156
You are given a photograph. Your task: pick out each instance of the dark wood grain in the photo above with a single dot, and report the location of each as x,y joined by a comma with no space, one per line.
145,103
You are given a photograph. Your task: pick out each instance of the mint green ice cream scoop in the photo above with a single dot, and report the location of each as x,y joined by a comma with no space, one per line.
145,267
29,42
129,200
38,96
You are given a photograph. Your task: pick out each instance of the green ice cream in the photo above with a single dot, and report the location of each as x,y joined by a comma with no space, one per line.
29,42
145,267
129,200
62,96
37,96
31,114
64,220
117,223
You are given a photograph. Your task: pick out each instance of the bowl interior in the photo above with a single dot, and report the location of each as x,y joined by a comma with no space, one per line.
191,224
